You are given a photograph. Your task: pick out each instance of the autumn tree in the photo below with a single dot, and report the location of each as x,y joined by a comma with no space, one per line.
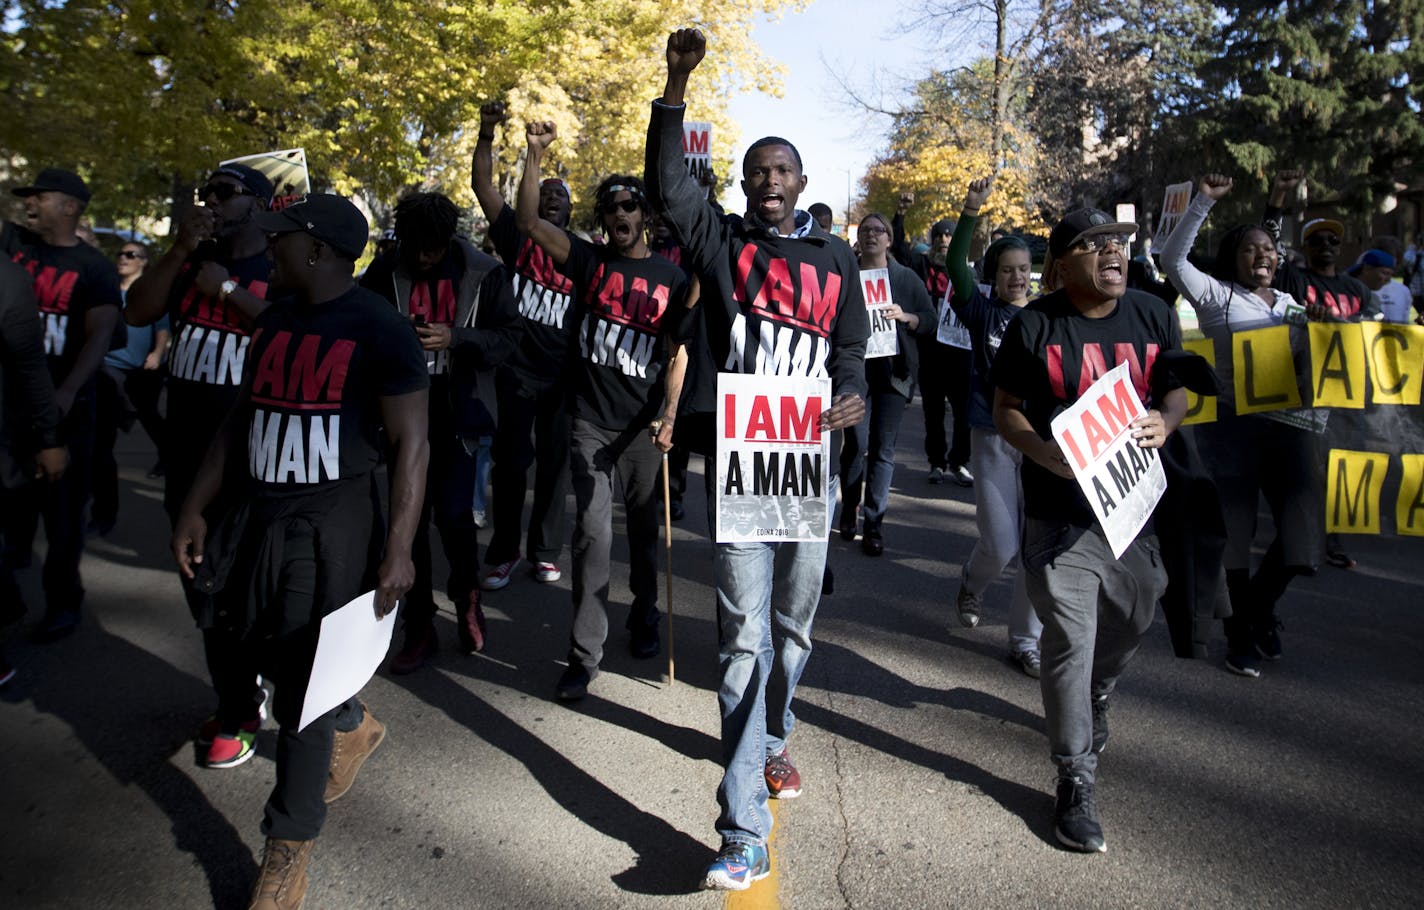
144,96
940,142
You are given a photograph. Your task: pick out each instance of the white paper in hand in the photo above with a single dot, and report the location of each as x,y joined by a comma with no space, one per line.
352,644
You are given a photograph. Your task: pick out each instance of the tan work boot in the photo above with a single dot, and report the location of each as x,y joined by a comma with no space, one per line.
350,751
282,883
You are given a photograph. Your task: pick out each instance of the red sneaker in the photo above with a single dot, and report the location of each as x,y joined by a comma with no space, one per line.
471,624
547,572
498,577
783,781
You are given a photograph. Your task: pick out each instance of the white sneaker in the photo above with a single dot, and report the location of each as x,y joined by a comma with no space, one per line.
547,572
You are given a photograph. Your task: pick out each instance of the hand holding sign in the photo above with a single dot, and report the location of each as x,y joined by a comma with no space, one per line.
1150,430
845,411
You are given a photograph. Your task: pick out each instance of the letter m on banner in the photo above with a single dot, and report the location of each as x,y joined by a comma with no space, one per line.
1352,491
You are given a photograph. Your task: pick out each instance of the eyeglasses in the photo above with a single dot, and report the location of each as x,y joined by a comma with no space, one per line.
1099,242
871,230
627,205
1323,238
130,254
223,191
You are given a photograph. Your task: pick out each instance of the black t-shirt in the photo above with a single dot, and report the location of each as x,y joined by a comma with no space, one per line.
1343,296
434,298
545,298
69,282
315,377
211,335
622,336
1051,353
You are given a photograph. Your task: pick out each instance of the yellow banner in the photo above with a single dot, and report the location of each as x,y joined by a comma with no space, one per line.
1395,354
1265,373
1353,483
1201,408
1337,365
1409,512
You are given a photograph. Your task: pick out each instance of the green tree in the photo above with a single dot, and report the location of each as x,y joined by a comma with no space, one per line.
1332,87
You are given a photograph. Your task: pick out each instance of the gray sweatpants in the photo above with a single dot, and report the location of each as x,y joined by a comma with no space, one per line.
1094,610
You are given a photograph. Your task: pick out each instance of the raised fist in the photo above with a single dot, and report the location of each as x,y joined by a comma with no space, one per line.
1214,186
685,49
541,134
978,192
492,114
1287,180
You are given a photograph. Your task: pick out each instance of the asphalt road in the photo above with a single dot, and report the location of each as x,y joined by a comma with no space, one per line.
927,780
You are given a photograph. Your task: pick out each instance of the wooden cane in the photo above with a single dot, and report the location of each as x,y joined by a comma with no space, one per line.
667,537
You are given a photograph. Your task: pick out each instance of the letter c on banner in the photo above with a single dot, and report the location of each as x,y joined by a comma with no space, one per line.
1396,361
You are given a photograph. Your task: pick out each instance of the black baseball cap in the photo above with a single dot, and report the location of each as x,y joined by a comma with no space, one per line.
56,180
330,219
943,226
254,180
1081,223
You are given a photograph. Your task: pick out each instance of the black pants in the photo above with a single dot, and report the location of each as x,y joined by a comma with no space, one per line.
449,492
533,429
121,396
61,505
944,378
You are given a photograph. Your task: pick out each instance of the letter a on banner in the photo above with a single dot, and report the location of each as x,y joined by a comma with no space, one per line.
1337,365
1201,408
1265,372
1409,513
1352,491
1396,360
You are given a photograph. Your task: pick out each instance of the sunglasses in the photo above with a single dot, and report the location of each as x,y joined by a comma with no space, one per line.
1323,238
1101,242
130,254
223,191
628,205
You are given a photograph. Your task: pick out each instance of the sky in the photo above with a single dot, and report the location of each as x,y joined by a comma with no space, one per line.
836,141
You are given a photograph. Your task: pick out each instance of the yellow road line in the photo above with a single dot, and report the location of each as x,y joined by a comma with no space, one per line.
761,895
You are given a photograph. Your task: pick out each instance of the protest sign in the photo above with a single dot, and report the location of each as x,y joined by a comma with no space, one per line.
772,459
697,148
1121,480
951,331
286,169
1174,206
883,342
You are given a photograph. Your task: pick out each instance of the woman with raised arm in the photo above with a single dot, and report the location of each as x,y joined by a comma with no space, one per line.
1272,453
998,494
892,384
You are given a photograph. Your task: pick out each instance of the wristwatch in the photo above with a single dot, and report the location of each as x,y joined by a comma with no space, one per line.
227,288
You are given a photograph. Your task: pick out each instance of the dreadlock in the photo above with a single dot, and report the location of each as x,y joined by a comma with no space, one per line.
426,221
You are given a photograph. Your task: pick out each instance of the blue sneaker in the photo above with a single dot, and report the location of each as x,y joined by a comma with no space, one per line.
737,865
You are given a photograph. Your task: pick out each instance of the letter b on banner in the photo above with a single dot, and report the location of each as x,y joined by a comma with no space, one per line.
1201,408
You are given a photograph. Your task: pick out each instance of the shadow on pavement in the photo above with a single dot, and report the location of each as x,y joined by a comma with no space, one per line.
129,729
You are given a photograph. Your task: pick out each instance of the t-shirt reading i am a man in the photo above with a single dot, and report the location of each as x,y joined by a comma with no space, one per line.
545,299
69,282
316,374
622,336
1051,353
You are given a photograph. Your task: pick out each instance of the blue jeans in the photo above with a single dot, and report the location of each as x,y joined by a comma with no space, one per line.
868,459
766,600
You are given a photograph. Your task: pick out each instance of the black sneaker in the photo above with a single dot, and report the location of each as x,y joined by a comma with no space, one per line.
1247,665
644,642
1100,724
573,685
1075,818
1268,640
